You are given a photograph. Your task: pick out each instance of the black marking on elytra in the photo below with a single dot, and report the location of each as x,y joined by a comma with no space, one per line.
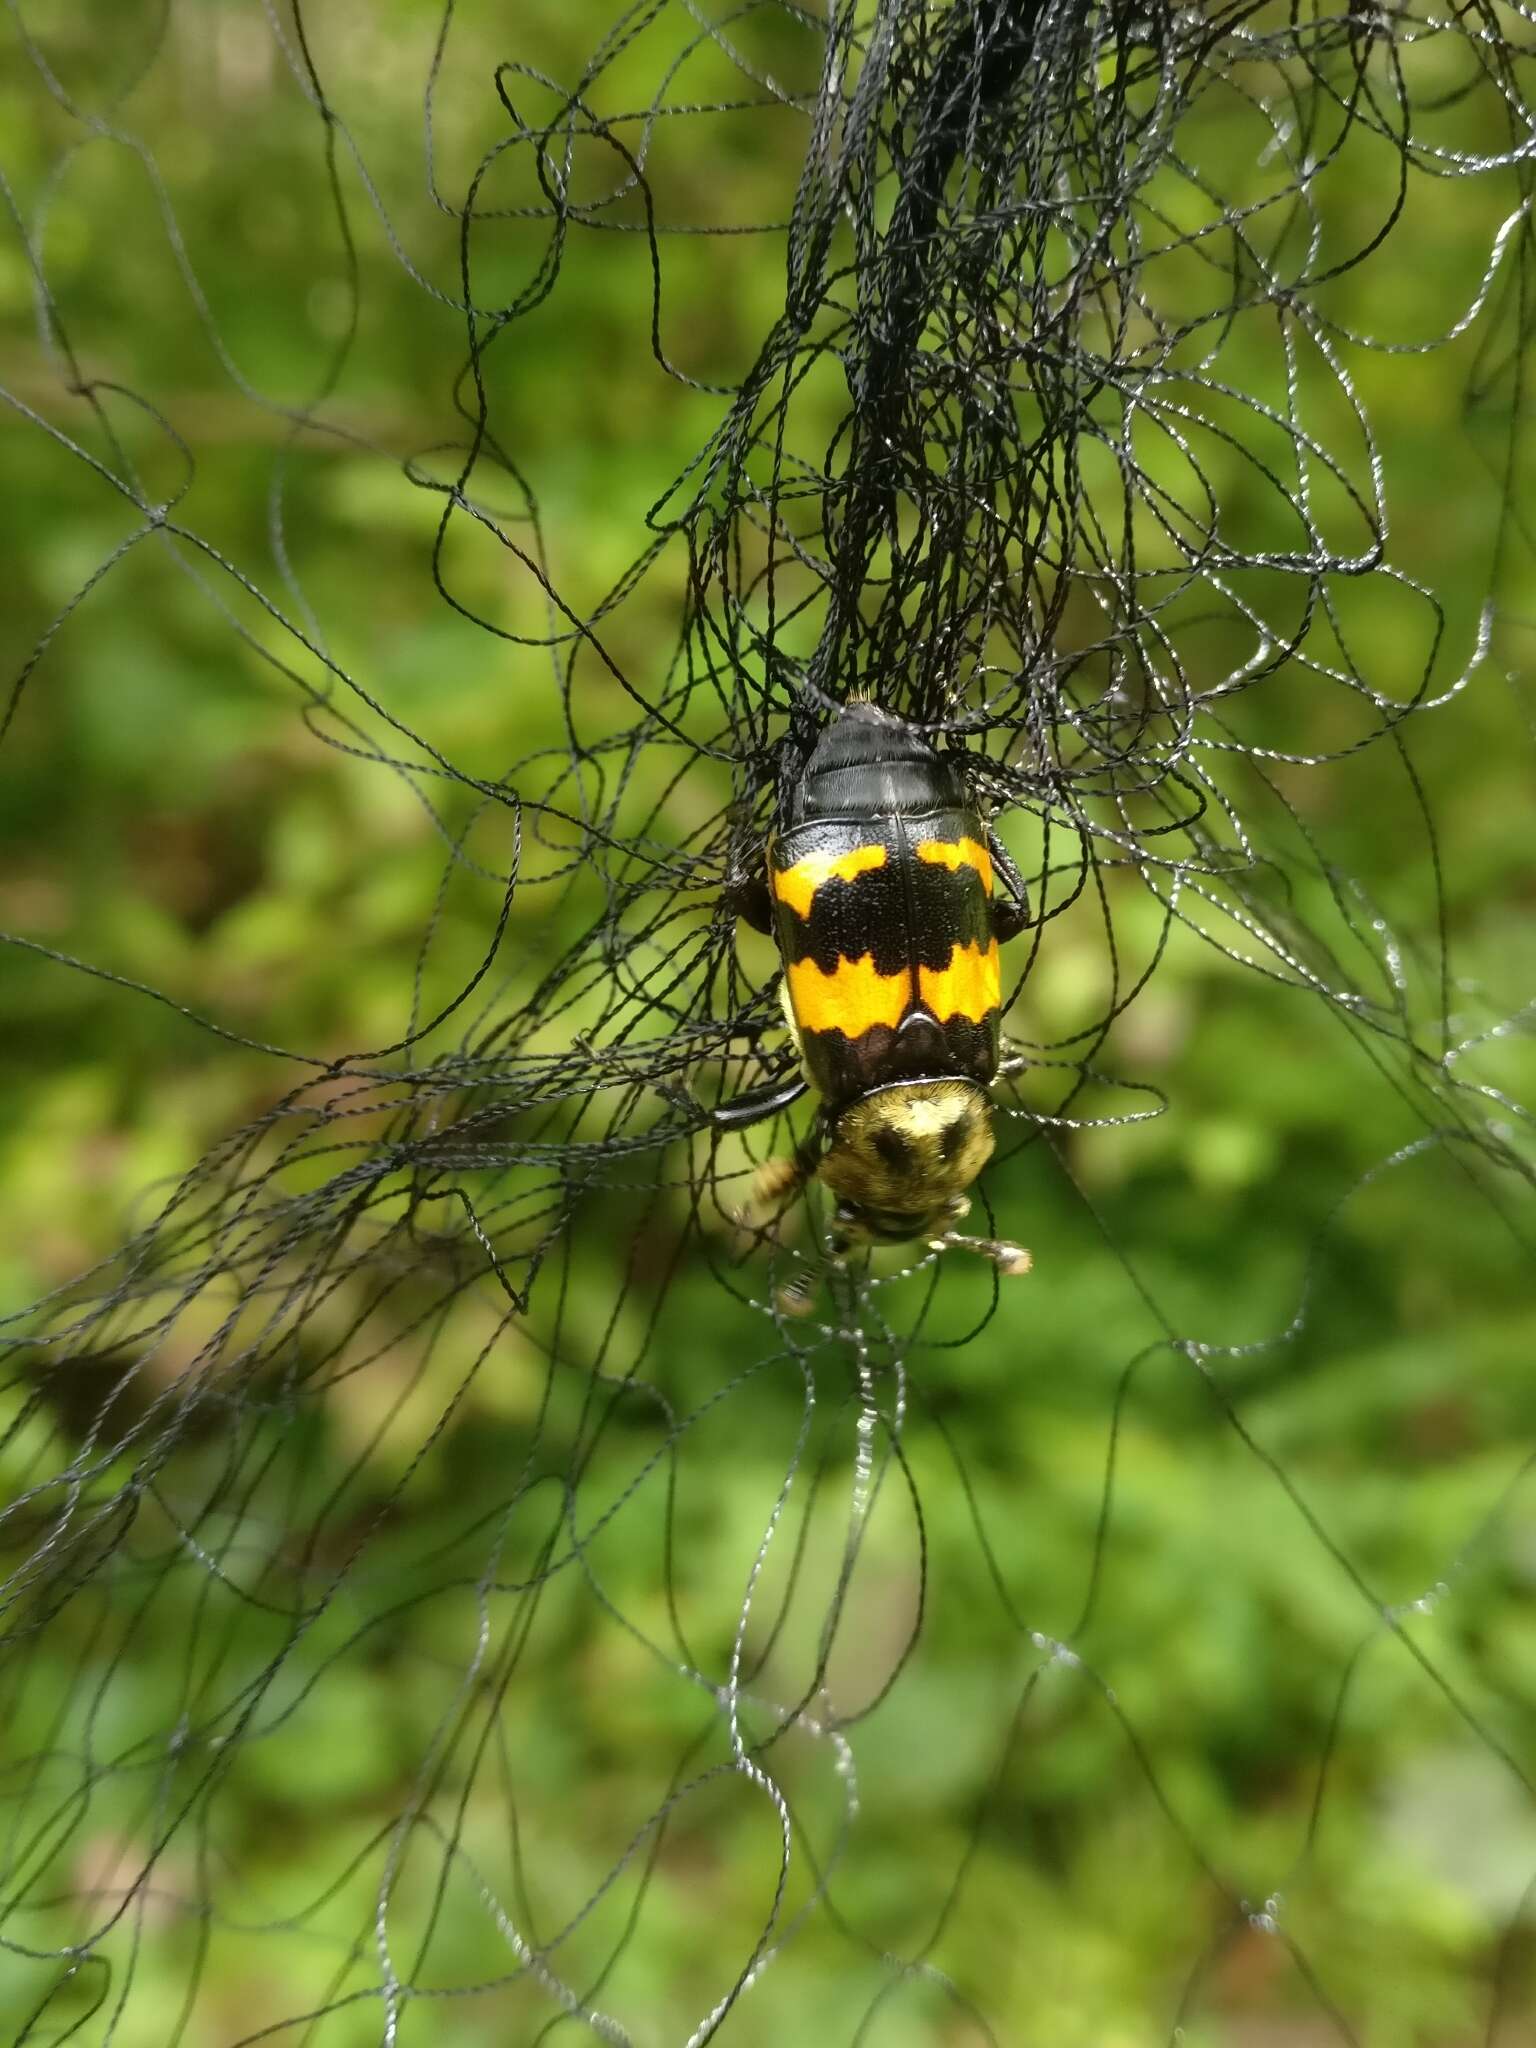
907,912
893,1149
921,1049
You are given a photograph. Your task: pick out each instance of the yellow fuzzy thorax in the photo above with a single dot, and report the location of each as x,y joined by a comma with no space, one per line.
911,1149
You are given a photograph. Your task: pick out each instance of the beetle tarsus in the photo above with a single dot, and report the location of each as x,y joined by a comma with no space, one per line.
796,1296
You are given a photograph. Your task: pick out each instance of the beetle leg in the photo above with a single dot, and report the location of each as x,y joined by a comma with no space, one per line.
753,1106
756,1105
1009,917
748,897
797,1295
774,1186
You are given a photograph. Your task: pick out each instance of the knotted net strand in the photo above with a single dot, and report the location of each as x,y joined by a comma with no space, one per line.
449,1597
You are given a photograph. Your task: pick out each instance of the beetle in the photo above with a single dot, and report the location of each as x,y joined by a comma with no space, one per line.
879,890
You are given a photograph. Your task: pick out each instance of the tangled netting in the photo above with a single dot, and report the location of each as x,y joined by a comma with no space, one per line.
448,1596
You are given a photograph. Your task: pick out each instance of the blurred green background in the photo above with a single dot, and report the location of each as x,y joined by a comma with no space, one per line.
168,816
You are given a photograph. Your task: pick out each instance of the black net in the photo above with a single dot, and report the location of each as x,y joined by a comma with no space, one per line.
462,1585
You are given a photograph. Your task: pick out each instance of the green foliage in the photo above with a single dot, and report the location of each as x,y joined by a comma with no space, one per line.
167,816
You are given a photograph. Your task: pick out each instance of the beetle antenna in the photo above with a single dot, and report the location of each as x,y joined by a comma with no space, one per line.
1011,1260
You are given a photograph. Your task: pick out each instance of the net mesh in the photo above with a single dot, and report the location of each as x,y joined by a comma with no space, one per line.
457,465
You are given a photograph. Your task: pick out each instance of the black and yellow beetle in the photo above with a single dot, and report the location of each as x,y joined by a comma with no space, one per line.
879,891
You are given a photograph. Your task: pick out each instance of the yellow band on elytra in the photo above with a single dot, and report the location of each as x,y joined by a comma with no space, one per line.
971,985
852,999
797,885
955,854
